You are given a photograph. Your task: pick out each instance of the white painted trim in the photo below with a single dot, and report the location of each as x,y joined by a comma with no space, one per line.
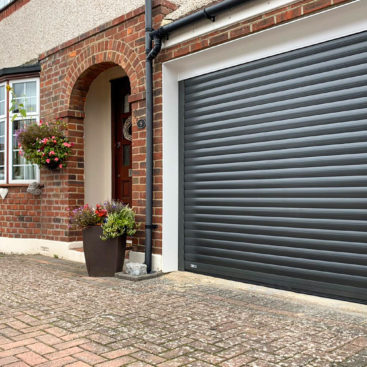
240,13
30,115
333,23
3,119
31,246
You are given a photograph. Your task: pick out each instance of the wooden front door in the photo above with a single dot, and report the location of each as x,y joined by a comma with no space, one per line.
121,140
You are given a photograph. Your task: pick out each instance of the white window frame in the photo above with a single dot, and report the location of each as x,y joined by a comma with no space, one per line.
6,5
4,118
34,115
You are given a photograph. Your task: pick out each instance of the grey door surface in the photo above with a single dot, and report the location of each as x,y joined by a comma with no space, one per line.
274,170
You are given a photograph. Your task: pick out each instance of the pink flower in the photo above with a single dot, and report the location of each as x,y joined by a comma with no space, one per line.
52,153
55,141
60,165
66,145
48,160
56,159
53,137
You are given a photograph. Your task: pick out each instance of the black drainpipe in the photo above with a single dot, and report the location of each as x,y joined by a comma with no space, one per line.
149,136
157,35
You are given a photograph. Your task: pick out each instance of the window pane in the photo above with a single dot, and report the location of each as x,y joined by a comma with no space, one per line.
2,100
26,94
21,169
19,89
30,89
4,3
25,172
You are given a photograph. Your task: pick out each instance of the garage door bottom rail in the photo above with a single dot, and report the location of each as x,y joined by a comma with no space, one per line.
308,286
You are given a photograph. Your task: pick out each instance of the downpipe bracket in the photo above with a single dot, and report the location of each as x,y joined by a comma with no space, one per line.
210,17
151,226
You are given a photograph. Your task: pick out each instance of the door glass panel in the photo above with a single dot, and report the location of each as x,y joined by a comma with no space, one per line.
126,104
126,155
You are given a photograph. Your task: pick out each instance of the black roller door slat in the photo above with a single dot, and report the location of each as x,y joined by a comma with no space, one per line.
301,262
315,161
334,181
304,85
320,275
357,214
313,141
198,245
330,50
274,174
352,225
278,240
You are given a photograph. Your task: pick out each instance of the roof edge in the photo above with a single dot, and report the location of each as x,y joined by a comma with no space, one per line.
23,69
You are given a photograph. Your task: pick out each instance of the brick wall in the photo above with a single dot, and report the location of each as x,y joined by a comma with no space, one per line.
67,72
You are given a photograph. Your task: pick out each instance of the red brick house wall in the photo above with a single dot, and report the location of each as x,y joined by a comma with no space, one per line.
67,72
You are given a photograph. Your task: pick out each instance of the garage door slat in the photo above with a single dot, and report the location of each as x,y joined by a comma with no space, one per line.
206,245
353,44
193,235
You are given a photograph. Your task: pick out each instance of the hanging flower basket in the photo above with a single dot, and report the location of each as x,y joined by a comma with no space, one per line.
45,144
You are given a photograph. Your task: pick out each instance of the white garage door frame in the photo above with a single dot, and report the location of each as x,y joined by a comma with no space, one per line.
330,24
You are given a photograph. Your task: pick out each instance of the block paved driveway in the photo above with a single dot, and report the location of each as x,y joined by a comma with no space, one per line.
51,314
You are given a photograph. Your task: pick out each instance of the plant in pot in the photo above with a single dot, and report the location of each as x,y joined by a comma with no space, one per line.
104,235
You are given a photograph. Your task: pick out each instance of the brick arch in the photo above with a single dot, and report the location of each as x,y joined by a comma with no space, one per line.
92,61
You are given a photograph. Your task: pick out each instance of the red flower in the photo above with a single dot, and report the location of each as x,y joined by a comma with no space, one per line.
100,211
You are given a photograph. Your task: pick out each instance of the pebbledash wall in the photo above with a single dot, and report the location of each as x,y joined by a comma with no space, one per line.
67,72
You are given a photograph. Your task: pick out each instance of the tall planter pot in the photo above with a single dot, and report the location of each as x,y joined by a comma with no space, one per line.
103,258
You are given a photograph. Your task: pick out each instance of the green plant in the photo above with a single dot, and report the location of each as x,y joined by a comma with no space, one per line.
113,216
119,223
16,108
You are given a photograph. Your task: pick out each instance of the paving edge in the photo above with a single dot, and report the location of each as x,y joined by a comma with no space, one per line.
136,278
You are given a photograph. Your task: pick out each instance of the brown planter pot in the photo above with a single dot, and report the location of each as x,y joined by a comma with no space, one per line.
103,258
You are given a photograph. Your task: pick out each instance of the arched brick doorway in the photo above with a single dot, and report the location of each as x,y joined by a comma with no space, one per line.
99,101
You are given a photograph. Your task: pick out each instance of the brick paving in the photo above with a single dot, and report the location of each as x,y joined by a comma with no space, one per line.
52,314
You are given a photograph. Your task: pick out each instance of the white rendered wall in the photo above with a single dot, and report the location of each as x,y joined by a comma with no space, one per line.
330,24
97,138
41,25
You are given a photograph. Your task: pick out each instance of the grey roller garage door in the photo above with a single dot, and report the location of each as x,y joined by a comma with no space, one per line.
274,170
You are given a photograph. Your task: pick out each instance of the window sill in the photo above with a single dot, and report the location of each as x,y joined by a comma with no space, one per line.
21,184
